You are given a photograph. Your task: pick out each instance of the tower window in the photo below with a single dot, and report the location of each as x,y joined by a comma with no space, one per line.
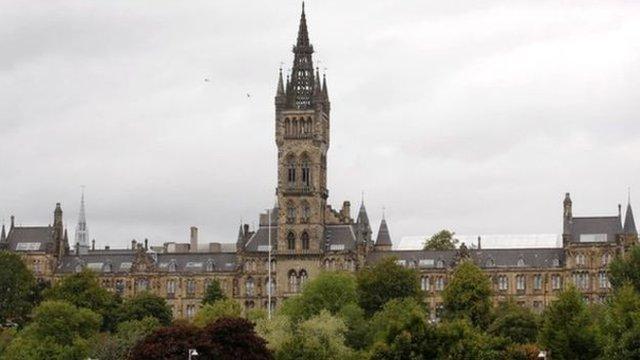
305,241
306,173
291,214
291,170
306,212
291,241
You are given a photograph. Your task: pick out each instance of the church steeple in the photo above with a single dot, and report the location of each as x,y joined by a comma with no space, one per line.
302,77
82,233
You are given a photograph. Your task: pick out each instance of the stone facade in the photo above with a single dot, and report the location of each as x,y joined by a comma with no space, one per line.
307,236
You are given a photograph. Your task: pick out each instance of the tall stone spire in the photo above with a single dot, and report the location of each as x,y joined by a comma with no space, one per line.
82,233
302,77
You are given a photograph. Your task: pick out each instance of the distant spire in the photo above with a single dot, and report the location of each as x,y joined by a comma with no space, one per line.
280,91
362,223
82,233
240,234
629,227
383,238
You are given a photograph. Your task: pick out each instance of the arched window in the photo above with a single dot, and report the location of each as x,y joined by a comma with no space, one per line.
305,240
306,211
291,241
303,277
309,126
440,264
327,263
210,265
425,284
250,286
306,172
491,263
580,259
295,126
291,170
172,266
291,213
287,126
293,281
107,268
273,285
606,258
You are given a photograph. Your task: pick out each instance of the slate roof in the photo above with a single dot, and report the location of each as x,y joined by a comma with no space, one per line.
259,241
30,238
492,258
340,237
609,225
121,262
383,234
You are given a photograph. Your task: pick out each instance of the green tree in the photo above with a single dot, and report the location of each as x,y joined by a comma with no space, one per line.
118,345
84,291
626,269
416,340
59,330
567,330
145,305
329,291
211,312
357,335
621,325
318,338
213,293
277,331
515,323
394,316
442,240
468,295
385,281
16,288
460,339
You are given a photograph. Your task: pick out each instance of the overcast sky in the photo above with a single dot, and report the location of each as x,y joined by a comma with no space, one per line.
471,115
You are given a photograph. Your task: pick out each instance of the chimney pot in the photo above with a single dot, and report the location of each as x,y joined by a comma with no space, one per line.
194,239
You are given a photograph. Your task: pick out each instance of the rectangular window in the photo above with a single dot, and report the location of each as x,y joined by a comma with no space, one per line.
439,283
171,288
503,282
556,282
537,282
603,280
581,280
191,287
520,282
191,311
425,284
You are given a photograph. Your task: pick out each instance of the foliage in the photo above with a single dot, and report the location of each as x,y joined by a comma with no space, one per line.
468,295
320,337
59,330
626,269
515,323
212,312
16,288
416,340
329,291
213,293
397,314
256,314
168,343
567,330
118,345
357,335
6,336
442,240
460,339
276,331
84,291
145,305
521,352
232,339
621,325
385,281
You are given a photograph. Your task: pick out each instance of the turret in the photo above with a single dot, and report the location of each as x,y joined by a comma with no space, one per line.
383,240
363,226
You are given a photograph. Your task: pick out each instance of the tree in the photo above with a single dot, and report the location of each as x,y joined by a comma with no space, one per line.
329,291
358,334
232,339
318,338
461,339
219,309
515,323
277,331
146,305
118,345
213,293
415,340
626,269
83,290
168,343
394,316
442,240
567,330
16,288
621,325
385,281
59,330
468,295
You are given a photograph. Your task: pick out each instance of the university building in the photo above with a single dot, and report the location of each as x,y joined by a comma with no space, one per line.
308,236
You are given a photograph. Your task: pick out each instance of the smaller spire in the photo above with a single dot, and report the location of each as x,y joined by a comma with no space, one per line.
629,227
280,90
325,91
383,240
240,234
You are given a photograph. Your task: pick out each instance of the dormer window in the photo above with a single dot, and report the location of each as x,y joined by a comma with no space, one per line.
210,265
580,259
491,263
520,262
107,268
173,267
440,264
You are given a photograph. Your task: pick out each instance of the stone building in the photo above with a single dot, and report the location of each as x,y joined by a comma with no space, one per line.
306,235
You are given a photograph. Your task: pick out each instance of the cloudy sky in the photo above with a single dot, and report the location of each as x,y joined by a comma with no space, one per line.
471,115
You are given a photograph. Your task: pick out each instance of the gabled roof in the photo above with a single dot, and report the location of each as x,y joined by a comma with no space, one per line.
31,239
583,228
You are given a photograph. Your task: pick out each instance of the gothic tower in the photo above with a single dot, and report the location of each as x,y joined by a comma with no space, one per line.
302,138
82,233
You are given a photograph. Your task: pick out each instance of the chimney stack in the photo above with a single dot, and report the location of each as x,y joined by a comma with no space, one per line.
93,244
133,244
479,243
346,210
194,239
146,244
13,221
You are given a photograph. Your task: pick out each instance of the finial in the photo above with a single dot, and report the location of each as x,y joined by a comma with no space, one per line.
303,7
362,197
383,212
629,195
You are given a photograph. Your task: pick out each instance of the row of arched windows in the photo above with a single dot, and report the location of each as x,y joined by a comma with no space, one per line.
305,170
292,212
298,127
250,287
291,240
297,280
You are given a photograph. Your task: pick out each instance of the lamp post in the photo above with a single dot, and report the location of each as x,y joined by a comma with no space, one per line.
269,265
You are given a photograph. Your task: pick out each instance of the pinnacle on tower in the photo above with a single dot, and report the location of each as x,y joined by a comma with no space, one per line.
82,233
